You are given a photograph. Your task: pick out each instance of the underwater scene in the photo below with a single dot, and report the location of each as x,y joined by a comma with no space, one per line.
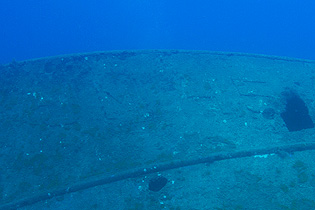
176,105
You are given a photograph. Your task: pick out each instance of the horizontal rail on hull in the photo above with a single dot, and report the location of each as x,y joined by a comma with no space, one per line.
291,148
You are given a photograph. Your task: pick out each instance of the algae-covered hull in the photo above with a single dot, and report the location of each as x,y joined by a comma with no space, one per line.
72,121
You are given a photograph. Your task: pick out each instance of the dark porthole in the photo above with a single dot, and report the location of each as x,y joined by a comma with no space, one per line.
156,184
296,116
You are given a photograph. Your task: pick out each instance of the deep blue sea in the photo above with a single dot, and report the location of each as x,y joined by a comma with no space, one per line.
34,28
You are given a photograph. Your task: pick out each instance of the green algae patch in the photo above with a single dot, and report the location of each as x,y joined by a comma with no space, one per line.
301,170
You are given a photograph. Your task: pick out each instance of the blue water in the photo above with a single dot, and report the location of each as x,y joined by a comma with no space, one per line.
37,28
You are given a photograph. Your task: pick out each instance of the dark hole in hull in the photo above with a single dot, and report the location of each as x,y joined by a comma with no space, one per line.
157,184
296,116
